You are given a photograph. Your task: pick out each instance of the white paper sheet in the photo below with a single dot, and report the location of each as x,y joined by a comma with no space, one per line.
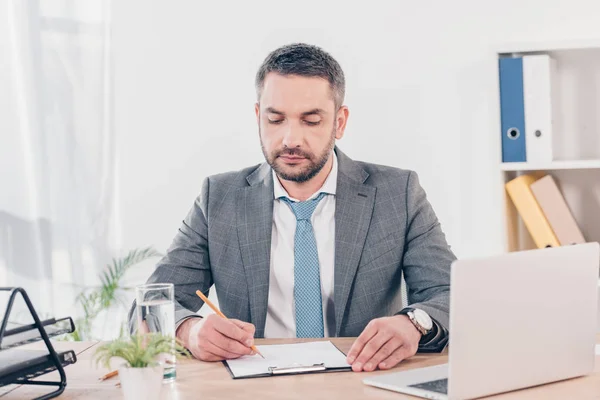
286,355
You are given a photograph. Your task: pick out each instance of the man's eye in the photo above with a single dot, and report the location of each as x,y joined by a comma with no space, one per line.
313,123
275,121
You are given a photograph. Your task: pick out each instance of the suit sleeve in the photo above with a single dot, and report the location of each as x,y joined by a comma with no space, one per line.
186,264
426,264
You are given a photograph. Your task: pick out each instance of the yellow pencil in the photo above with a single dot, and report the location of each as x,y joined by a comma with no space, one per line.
219,313
109,375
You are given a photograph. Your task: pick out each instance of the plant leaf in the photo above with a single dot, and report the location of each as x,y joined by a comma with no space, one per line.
95,299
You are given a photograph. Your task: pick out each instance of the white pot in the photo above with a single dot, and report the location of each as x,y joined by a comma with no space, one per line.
141,383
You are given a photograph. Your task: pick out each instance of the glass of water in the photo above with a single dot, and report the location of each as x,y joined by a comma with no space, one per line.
156,314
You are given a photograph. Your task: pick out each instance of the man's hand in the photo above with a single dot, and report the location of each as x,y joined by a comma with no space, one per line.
215,339
384,343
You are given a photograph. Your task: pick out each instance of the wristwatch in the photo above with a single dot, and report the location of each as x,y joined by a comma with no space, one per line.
420,319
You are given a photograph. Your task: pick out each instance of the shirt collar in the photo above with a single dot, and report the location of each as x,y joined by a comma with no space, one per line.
329,186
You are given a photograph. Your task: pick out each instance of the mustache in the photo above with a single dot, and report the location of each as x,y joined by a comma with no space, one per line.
293,152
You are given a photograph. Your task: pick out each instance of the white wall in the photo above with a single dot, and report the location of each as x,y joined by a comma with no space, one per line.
420,88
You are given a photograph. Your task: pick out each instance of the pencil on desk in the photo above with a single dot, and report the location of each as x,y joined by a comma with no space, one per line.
116,372
109,375
219,313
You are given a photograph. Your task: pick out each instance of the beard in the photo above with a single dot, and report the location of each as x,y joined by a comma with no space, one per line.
300,174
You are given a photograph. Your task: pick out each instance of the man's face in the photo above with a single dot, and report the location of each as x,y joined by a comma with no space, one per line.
298,125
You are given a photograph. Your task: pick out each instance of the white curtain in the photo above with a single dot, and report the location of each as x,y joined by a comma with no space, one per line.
58,209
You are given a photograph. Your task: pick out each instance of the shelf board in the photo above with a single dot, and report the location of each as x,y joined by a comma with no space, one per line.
554,165
545,46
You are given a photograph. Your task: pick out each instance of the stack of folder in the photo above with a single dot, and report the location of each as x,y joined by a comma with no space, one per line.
544,211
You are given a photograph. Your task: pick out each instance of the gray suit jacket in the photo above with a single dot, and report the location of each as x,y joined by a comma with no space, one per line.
384,227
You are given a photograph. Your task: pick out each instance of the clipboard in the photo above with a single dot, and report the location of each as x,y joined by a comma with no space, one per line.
291,370
276,364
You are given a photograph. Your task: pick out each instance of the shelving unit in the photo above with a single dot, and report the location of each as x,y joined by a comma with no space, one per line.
575,164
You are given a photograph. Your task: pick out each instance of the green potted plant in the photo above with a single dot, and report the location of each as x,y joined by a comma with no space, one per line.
98,301
141,373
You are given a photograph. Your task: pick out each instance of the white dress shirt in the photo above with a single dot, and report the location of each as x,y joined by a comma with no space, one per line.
281,308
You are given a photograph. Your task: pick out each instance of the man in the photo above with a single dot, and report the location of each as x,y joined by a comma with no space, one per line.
310,243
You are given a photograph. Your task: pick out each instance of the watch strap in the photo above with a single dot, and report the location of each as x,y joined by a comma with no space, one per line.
405,311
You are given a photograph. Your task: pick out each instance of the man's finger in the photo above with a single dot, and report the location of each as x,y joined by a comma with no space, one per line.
210,352
211,357
384,352
361,341
248,327
204,355
370,349
397,356
218,348
229,345
232,331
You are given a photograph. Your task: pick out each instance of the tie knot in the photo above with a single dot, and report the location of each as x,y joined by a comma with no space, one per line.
303,210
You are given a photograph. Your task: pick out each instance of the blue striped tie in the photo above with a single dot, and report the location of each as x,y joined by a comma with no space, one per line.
307,277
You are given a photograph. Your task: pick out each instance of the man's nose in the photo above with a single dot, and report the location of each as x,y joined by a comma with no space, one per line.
292,136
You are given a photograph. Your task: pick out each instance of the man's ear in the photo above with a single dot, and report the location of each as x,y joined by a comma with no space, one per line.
341,120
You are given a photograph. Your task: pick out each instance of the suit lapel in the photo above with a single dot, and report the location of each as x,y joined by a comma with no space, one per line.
353,209
254,224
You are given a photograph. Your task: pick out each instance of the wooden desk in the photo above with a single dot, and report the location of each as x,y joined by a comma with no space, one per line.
199,380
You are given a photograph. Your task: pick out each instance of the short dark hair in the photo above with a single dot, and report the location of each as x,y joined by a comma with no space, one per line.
304,60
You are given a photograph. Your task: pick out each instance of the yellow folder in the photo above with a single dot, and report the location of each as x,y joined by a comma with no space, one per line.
538,226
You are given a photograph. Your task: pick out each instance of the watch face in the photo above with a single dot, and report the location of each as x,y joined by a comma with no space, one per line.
423,319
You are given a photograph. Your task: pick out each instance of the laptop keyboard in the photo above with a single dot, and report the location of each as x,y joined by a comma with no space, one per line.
439,386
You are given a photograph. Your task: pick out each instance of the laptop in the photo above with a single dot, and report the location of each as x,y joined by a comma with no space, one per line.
516,320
